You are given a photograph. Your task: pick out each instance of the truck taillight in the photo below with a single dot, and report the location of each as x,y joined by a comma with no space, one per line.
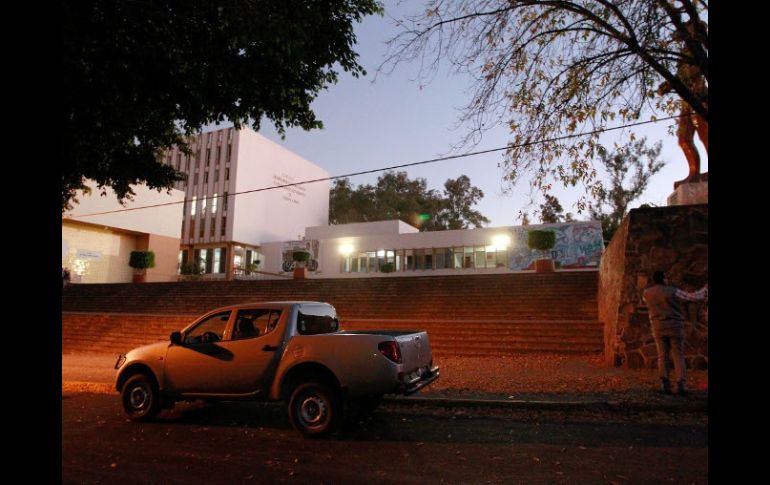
391,350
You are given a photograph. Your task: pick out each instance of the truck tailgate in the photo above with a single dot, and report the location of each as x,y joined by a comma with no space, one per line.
415,350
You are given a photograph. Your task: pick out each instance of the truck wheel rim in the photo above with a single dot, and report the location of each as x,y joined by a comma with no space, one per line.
313,410
139,397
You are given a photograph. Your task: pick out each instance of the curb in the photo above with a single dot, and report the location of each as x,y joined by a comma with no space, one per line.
615,406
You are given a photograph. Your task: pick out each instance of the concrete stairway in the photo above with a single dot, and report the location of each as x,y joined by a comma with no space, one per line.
500,314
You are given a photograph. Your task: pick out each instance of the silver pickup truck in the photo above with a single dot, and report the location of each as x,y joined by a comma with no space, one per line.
289,351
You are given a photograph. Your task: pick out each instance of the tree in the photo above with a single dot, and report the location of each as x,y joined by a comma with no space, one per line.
396,196
552,212
460,197
140,77
611,204
549,68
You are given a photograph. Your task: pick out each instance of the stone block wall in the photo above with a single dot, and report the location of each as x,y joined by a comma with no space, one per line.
672,239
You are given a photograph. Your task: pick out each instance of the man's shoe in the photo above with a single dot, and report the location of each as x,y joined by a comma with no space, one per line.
665,386
680,389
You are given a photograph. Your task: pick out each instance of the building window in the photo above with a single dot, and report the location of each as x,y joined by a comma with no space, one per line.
202,228
224,226
212,226
216,175
192,229
184,207
192,207
229,146
227,173
219,152
195,179
203,206
214,204
217,260
208,156
224,202
182,235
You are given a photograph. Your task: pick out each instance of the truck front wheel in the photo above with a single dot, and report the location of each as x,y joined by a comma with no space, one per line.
313,409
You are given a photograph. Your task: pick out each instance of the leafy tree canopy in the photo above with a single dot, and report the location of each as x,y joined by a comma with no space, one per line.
396,196
141,76
610,205
549,68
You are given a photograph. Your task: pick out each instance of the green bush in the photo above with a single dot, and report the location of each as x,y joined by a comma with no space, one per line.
142,259
300,256
387,268
190,268
541,240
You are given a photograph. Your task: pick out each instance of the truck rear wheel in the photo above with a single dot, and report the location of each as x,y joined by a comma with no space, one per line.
314,409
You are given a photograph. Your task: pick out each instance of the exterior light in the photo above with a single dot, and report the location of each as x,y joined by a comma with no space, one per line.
346,249
501,241
424,217
381,253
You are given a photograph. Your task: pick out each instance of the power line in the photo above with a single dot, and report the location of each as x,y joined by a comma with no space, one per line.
404,165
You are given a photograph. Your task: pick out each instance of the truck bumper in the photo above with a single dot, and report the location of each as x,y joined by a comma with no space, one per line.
416,383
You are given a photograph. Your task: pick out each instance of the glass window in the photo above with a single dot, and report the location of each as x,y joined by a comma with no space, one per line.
255,322
419,258
317,319
501,258
428,259
227,174
372,263
205,177
224,226
408,259
224,202
217,257
214,204
354,264
457,254
212,226
480,261
212,329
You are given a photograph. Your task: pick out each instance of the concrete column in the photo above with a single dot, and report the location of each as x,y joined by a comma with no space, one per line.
229,265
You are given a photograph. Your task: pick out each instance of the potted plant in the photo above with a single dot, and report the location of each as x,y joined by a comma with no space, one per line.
190,270
300,259
387,267
542,241
140,261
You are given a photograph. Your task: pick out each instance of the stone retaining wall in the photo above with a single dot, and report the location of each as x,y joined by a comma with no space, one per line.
674,240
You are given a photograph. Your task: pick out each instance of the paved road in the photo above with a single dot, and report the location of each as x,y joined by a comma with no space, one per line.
253,443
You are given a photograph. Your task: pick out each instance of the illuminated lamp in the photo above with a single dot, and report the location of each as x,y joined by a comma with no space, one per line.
501,241
346,249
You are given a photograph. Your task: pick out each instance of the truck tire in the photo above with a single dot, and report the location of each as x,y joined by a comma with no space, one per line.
314,409
140,398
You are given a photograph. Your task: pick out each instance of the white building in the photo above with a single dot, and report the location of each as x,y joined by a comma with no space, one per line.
223,233
97,242
363,249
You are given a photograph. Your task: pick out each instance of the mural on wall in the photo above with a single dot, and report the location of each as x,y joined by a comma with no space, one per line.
578,245
311,246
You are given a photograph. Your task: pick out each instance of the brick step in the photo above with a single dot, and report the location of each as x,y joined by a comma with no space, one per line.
512,349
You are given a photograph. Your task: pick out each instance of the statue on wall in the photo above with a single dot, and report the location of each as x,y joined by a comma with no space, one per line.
691,122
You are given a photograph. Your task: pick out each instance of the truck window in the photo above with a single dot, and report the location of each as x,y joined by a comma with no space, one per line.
317,320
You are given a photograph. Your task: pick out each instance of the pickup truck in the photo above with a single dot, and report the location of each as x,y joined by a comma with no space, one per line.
278,351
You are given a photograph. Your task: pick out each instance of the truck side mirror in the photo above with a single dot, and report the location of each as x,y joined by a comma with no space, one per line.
176,338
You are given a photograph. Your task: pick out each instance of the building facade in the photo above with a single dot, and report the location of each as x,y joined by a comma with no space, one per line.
222,233
97,242
394,248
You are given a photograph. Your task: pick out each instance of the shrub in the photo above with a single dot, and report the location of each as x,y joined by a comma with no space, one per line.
190,268
142,259
300,256
541,240
387,267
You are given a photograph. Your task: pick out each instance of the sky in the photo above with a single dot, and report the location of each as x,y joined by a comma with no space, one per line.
390,119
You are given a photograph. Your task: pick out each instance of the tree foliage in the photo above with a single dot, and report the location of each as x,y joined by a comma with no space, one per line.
552,212
549,68
610,204
396,196
139,77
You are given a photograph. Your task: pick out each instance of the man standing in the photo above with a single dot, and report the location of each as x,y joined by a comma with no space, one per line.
667,320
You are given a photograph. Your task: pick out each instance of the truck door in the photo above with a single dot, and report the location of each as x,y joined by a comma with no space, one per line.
255,343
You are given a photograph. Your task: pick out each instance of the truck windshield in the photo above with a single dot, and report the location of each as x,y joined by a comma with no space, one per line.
314,320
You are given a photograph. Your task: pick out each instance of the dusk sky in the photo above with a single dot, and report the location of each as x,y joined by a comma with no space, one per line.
371,123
